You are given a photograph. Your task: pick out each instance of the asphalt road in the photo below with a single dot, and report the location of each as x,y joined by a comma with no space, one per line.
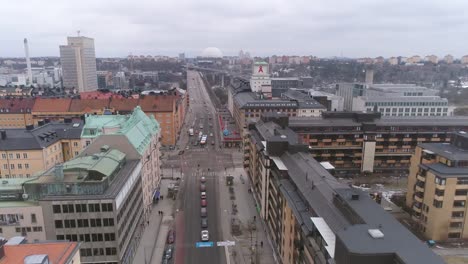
198,161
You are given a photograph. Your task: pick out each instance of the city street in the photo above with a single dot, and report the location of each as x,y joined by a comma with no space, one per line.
195,162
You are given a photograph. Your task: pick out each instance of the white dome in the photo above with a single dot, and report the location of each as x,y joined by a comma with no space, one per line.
212,52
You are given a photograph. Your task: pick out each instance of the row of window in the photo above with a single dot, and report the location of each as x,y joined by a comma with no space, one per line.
89,252
12,156
88,237
82,208
406,103
95,222
19,166
458,192
409,110
13,176
26,229
456,204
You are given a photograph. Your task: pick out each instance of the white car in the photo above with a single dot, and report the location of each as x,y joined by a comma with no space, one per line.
204,235
203,195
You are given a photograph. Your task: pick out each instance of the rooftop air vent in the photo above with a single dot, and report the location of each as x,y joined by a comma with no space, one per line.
375,233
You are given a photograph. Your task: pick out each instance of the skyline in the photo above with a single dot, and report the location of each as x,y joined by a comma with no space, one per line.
364,28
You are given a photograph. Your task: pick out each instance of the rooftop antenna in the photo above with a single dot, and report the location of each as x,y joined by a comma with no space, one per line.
78,32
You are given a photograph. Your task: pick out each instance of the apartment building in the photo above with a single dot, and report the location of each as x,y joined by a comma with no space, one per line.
19,217
95,200
438,188
16,112
18,250
310,216
54,109
25,152
137,135
359,142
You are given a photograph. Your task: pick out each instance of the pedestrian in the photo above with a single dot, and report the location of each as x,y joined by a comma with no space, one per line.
261,243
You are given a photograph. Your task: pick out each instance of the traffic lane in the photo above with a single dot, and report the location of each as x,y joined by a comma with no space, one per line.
191,215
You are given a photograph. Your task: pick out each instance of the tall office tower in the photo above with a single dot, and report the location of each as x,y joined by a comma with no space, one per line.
78,61
28,61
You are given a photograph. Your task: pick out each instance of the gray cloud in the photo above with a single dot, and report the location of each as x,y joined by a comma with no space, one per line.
354,28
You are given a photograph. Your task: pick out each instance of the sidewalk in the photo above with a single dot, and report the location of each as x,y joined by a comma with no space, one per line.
248,244
148,250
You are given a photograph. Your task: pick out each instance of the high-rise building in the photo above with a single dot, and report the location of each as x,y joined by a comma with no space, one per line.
78,61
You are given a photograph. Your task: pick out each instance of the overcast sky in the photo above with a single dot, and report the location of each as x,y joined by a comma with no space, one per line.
352,28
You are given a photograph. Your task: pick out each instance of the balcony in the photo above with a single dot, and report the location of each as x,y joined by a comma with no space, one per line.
393,139
406,146
419,188
390,161
421,139
438,198
339,162
313,140
420,178
404,161
325,155
441,187
435,139
327,140
379,139
378,147
417,198
341,140
339,155
407,139
416,209
357,154
392,147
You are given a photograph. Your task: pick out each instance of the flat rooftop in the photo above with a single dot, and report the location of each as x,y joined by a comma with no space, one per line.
446,150
430,121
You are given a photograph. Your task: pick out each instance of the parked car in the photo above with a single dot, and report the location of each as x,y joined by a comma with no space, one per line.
168,254
202,187
171,236
205,235
211,134
181,152
203,179
203,202
203,212
204,222
212,142
203,195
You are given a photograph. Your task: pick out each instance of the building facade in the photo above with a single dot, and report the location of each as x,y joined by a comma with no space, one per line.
78,61
359,142
309,216
137,135
16,112
95,200
260,79
25,152
438,188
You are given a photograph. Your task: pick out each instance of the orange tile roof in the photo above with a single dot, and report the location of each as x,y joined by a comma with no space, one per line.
52,105
17,105
123,104
88,105
159,103
99,95
58,252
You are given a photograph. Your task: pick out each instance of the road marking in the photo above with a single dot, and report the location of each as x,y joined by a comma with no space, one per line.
226,243
204,244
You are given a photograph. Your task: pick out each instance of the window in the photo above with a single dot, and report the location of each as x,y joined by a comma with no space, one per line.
456,225
75,144
438,204
458,214
56,208
108,221
109,237
10,155
70,223
25,155
453,235
98,251
26,166
33,218
461,192
107,207
60,237
111,251
88,142
439,192
58,224
4,156
20,166
18,156
86,252
81,208
5,166
76,153
12,166
68,208
439,181
458,203
94,208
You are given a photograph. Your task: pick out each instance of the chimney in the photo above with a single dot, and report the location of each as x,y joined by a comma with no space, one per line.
28,61
369,76
3,132
58,172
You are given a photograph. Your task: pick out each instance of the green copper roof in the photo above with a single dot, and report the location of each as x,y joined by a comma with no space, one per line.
105,163
137,127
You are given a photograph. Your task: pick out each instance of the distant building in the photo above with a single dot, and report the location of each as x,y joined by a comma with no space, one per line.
78,61
307,106
311,217
464,59
393,61
260,80
330,101
414,59
104,79
437,188
448,59
281,85
349,91
432,59
18,250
